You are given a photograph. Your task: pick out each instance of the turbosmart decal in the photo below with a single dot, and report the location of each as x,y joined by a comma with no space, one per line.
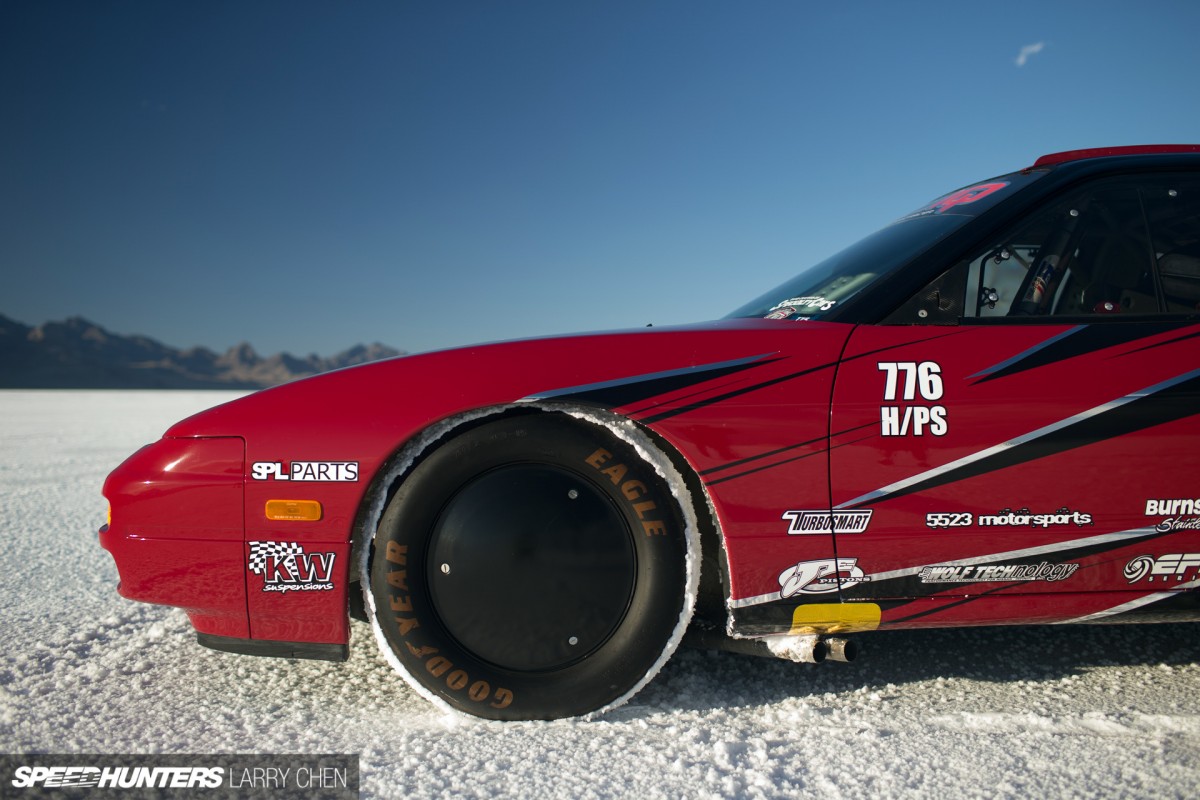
1146,408
806,522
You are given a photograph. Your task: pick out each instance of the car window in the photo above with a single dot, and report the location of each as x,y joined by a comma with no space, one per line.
1111,250
1173,212
817,291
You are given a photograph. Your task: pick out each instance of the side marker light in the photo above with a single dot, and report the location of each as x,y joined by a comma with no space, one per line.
292,510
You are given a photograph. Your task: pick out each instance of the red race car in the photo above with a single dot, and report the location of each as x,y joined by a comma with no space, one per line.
988,412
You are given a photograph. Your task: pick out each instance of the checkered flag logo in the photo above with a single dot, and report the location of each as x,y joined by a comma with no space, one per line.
261,551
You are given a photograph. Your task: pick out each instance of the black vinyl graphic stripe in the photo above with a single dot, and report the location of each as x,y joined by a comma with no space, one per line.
778,451
674,412
1164,609
1071,344
749,459
622,392
1172,340
929,612
748,389
879,350
1153,406
774,464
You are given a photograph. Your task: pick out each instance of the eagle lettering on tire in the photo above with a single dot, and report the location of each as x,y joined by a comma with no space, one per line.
532,567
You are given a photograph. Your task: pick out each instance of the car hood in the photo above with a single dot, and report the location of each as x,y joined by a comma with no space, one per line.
389,399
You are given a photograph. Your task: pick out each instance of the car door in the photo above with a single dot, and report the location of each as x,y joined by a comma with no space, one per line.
1025,431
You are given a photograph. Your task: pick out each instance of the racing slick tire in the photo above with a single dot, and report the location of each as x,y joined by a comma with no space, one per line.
534,567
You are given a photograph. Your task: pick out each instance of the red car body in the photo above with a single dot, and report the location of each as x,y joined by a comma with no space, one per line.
866,467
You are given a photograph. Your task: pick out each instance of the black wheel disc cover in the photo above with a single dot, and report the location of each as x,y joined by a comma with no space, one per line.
530,567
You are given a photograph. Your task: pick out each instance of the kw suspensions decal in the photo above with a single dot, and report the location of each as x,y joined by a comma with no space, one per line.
285,567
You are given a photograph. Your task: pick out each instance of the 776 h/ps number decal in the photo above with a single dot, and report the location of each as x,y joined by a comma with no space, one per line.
905,381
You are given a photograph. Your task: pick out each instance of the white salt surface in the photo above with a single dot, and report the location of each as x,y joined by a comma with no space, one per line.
1076,712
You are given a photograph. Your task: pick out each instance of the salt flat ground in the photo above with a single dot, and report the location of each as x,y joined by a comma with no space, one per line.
1043,712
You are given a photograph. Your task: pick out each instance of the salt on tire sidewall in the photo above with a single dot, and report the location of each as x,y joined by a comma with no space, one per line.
405,613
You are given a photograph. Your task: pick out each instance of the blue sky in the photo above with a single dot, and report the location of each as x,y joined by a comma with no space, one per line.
305,176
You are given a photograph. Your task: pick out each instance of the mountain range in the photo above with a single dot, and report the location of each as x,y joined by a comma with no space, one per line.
79,354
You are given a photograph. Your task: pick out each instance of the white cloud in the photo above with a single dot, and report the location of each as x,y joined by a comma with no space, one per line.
1029,50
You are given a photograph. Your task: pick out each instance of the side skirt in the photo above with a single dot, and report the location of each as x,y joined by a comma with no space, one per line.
259,647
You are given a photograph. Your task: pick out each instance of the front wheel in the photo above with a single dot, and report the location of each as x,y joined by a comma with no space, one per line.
534,567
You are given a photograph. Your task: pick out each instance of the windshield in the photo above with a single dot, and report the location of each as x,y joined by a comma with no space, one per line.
818,290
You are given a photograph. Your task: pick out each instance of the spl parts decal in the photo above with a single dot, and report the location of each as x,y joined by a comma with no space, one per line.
1157,508
1175,565
325,471
1006,517
813,522
905,380
997,573
285,567
820,577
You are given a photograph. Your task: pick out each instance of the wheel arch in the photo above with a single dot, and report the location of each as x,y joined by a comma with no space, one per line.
706,568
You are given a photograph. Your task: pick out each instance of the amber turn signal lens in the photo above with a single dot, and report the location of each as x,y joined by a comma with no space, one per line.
307,510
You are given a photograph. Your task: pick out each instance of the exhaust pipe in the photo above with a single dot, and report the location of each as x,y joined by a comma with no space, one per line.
843,650
805,649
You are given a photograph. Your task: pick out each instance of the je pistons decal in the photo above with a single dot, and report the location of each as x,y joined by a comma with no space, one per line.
285,567
820,577
328,471
825,522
